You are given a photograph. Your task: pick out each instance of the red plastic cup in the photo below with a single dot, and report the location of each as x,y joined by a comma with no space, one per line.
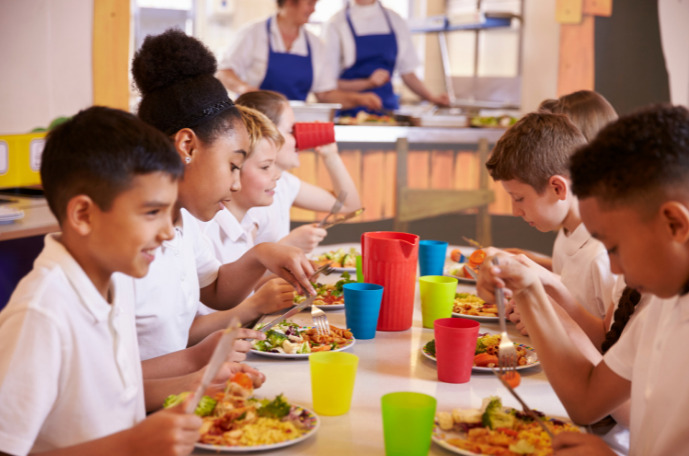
313,134
455,345
389,259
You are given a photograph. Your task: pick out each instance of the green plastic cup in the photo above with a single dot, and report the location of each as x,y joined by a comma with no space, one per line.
359,269
437,298
332,381
407,423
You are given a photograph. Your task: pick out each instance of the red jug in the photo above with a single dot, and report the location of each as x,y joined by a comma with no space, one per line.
389,259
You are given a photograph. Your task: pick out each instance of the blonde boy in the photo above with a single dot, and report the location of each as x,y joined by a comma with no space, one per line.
530,161
632,183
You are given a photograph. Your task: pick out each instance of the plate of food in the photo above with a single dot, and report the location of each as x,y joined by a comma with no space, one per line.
494,429
486,354
465,268
236,422
468,305
330,296
292,341
340,260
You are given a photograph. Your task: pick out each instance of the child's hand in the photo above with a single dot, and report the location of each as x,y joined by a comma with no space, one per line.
168,431
226,372
204,349
305,237
575,444
511,273
274,295
515,317
327,150
288,262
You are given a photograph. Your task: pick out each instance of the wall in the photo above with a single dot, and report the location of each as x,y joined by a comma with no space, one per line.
46,61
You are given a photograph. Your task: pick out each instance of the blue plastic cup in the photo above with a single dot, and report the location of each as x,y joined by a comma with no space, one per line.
362,306
432,257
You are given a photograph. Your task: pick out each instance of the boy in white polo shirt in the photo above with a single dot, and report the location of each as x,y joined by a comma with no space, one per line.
70,373
632,185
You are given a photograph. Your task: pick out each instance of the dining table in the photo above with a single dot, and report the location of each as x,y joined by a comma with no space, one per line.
390,362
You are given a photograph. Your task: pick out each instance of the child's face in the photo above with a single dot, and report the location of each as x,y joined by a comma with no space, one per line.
213,173
123,238
544,212
639,247
259,175
287,157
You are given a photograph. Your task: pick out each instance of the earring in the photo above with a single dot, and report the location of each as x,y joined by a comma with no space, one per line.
187,160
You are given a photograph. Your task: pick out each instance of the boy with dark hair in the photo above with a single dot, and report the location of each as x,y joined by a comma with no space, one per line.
631,182
70,373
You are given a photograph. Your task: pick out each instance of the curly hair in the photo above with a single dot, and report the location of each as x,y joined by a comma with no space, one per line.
175,74
534,149
642,158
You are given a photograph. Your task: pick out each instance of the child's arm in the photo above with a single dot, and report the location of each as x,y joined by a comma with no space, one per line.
274,295
588,391
316,198
235,280
574,443
306,237
541,260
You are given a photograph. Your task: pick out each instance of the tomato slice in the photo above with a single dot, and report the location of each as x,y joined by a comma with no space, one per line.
512,378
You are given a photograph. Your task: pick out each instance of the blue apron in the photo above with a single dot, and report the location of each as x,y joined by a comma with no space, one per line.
373,52
289,74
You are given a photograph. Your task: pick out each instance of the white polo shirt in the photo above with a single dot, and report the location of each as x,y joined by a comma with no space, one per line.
274,221
248,55
367,20
69,362
651,354
584,268
168,297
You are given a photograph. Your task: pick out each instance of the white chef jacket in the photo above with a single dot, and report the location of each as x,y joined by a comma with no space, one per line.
69,361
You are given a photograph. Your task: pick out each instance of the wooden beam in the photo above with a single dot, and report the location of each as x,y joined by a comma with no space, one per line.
577,67
110,53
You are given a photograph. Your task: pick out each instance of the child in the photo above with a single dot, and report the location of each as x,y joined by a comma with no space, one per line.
232,230
181,98
274,220
70,374
631,181
530,161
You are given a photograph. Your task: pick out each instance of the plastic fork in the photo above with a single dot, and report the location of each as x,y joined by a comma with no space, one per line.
507,354
320,321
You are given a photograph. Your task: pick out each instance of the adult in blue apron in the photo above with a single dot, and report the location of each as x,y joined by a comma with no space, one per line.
373,52
289,74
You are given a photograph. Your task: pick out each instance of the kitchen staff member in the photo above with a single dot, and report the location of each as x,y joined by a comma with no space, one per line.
367,42
279,54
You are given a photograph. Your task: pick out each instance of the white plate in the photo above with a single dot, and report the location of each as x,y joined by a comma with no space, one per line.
531,357
481,318
8,214
460,278
296,355
245,449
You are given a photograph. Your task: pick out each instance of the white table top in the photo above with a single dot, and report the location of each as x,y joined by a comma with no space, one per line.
392,361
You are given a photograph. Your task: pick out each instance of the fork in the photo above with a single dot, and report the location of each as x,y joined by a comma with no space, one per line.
335,209
325,269
507,354
320,321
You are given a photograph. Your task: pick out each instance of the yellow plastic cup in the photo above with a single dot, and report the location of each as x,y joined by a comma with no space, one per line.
332,381
437,298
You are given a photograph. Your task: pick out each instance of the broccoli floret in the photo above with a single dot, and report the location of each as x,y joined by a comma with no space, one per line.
495,417
275,338
277,408
430,347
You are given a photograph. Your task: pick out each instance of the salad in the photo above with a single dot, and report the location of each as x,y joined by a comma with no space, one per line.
340,258
290,338
328,294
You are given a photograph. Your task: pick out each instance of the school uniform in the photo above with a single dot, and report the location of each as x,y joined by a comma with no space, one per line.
267,64
274,221
650,354
584,268
362,38
168,297
69,361
230,239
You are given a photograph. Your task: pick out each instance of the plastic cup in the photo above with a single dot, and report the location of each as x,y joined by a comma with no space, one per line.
359,269
407,423
437,298
432,257
313,134
455,344
362,306
332,381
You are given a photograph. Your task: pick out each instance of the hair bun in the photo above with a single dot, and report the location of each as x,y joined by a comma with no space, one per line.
168,58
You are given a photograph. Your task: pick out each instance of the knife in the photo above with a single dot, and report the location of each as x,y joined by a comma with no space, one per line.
222,349
344,218
526,408
289,313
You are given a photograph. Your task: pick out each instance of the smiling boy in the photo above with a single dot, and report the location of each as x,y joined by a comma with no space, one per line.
70,374
632,184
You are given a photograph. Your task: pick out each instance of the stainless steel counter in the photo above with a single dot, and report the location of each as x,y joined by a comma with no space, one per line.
414,135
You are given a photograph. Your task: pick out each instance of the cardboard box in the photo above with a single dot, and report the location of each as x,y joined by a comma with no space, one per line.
20,159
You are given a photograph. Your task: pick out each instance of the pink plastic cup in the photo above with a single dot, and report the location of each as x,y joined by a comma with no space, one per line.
455,344
313,134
